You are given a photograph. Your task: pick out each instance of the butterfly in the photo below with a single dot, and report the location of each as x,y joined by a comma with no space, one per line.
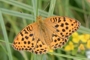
43,35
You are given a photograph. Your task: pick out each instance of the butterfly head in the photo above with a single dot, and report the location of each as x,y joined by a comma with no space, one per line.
39,19
40,22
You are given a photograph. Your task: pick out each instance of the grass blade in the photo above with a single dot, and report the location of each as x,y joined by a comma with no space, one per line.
5,37
52,6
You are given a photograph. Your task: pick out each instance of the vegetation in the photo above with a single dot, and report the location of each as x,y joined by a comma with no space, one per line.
16,14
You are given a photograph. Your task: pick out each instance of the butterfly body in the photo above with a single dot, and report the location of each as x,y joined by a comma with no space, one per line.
44,31
43,35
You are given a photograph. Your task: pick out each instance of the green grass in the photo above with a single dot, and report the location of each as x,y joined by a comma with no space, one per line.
16,14
5,37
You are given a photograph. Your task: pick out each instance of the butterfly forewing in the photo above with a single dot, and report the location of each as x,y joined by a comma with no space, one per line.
62,28
25,40
30,40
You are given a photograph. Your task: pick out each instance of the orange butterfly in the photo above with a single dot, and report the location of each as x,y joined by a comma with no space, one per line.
43,35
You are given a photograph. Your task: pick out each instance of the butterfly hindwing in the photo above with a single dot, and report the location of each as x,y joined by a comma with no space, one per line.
40,47
57,41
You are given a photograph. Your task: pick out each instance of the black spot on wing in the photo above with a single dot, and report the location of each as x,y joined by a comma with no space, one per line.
25,31
29,28
21,33
56,26
31,35
59,20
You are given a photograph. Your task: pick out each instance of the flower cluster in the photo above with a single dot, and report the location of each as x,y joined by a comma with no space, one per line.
79,42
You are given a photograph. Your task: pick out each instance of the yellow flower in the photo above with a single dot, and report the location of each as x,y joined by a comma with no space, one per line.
84,37
69,47
50,50
88,44
81,47
75,38
75,34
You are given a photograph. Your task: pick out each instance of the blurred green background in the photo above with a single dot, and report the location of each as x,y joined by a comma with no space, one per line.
16,14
